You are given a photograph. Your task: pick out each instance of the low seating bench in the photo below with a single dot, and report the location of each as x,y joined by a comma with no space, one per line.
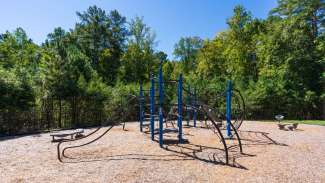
289,126
72,134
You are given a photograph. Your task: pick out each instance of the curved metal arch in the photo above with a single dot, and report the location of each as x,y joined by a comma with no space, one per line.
238,112
70,140
242,109
121,110
70,147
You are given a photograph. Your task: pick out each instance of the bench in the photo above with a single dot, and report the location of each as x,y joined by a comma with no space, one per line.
289,126
73,134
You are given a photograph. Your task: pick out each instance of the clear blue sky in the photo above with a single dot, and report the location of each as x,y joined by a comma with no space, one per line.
170,19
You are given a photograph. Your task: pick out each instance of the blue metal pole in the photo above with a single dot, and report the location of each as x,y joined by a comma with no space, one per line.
152,107
141,107
161,95
228,110
188,103
180,108
195,111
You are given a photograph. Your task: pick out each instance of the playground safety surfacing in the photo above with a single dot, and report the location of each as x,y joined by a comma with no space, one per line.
271,155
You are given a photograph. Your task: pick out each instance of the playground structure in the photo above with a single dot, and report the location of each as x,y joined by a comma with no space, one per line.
157,107
192,105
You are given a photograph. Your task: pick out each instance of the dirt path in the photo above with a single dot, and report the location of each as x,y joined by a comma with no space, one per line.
270,155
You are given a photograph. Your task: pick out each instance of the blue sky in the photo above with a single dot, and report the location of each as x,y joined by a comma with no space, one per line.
170,19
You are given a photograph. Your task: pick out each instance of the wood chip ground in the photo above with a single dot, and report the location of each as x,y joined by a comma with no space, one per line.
271,155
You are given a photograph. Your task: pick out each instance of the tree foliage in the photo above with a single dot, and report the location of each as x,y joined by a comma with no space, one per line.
277,63
186,50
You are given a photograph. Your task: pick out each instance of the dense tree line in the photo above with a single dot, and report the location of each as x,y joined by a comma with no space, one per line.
277,63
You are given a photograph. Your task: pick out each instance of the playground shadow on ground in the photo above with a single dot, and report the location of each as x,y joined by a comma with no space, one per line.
207,154
256,138
187,151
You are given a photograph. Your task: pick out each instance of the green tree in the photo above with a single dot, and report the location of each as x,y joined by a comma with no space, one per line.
102,38
240,46
20,56
186,50
311,12
140,58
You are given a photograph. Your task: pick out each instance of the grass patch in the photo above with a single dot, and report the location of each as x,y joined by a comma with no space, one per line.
308,122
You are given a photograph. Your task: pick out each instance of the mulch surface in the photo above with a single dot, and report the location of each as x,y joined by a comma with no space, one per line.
270,155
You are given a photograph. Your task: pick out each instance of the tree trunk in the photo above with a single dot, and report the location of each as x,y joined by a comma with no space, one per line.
60,113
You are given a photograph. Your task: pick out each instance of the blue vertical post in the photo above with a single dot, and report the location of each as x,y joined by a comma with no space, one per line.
195,106
180,108
152,107
188,103
228,109
141,101
161,98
